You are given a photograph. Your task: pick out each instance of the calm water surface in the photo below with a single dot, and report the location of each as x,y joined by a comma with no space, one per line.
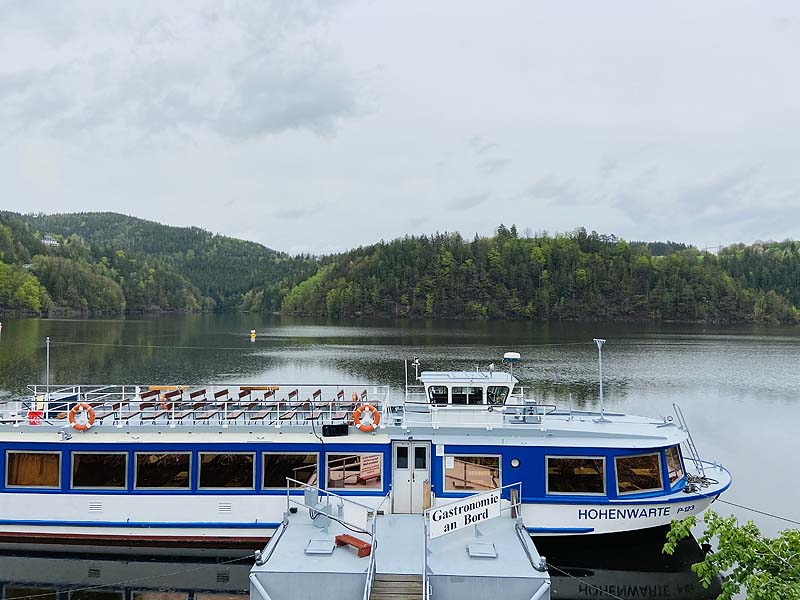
738,387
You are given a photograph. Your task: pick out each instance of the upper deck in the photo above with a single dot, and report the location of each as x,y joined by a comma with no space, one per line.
267,412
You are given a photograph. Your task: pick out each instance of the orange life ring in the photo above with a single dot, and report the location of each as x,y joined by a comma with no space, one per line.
367,427
164,404
79,408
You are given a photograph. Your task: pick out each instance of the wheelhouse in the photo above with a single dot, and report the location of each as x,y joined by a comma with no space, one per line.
469,388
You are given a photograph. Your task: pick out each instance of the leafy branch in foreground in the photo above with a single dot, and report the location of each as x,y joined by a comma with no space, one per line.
767,568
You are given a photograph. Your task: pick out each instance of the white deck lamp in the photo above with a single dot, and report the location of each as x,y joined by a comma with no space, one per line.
600,343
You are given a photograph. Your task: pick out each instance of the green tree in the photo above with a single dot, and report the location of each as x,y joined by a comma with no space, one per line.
766,568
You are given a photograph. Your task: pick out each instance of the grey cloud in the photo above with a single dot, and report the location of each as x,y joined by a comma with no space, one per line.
493,165
291,213
467,202
481,145
244,71
550,188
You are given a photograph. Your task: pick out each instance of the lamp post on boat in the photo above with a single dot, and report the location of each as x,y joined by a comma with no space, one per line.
600,343
47,366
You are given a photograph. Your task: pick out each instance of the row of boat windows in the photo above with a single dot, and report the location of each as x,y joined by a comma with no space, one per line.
173,470
493,394
565,474
634,474
569,475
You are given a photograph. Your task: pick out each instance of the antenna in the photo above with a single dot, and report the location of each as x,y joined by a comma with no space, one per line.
415,364
600,343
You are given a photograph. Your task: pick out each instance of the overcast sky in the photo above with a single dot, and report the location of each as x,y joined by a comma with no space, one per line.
319,126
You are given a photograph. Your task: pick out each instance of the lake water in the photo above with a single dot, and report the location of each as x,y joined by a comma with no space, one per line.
738,387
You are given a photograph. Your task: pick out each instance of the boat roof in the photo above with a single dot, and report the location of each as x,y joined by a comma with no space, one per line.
481,377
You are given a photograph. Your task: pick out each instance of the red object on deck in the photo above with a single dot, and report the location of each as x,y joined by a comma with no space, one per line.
364,548
35,417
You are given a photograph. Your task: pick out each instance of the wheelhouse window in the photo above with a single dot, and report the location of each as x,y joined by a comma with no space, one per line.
355,471
163,470
674,464
300,467
437,394
33,469
496,394
637,474
99,470
576,475
468,473
458,395
231,470
475,395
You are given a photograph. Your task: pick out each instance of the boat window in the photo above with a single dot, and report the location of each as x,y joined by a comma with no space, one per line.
674,464
401,457
33,469
96,595
300,467
161,470
158,595
100,470
458,395
638,473
437,394
467,473
475,395
226,470
575,475
355,471
496,394
420,457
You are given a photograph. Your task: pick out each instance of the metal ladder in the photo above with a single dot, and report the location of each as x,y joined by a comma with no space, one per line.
693,454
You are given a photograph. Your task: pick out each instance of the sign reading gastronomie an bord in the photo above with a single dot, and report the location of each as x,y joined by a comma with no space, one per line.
472,510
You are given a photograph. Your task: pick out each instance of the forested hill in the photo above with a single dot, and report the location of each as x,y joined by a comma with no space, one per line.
142,265
575,276
111,263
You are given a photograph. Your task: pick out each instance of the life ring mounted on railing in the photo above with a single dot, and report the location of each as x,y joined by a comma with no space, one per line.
165,403
366,426
80,408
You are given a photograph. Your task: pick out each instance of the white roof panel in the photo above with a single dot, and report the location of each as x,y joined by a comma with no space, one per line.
482,377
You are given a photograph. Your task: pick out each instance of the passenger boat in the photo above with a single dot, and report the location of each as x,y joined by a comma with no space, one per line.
208,465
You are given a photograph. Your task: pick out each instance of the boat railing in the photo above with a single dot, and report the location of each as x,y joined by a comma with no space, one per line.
373,564
180,405
694,455
326,504
423,414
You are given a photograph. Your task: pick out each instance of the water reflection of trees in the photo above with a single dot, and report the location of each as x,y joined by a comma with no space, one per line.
123,352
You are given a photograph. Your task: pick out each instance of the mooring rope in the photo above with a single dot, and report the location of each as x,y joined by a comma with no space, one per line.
761,512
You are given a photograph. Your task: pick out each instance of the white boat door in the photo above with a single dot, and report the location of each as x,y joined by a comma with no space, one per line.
411,470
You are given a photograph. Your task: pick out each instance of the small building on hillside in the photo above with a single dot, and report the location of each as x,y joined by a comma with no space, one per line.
49,241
